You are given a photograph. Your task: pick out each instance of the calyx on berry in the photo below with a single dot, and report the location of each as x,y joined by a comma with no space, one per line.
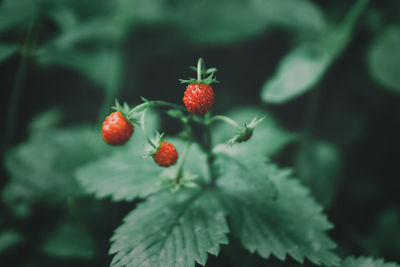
126,111
200,70
152,145
245,133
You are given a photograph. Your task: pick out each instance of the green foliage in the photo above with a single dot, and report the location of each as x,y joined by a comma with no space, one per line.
162,231
214,22
366,262
302,68
127,175
268,132
7,50
171,230
103,67
318,164
14,13
68,240
384,59
41,169
287,223
9,239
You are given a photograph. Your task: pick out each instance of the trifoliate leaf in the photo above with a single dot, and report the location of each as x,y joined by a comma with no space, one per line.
287,222
305,65
268,137
366,262
68,240
7,50
171,230
43,166
384,59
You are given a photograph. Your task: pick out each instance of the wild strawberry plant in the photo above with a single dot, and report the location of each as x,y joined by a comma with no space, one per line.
214,192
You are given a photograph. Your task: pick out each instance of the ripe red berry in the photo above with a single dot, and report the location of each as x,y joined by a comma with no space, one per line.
166,155
116,129
198,98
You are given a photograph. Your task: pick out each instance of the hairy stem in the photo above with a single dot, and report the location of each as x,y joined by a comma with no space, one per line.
180,167
224,119
142,120
200,64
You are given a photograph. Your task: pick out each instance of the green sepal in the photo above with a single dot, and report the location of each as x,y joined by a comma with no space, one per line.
209,80
153,145
124,109
246,132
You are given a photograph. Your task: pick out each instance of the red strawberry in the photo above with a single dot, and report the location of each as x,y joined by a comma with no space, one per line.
166,155
198,98
116,129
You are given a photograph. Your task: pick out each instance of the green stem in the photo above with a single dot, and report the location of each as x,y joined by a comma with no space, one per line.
26,53
200,64
142,120
210,158
180,167
224,119
155,103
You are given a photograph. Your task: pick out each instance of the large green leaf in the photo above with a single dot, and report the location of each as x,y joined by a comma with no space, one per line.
366,262
214,22
103,67
384,59
126,175
268,137
41,169
289,223
301,69
171,230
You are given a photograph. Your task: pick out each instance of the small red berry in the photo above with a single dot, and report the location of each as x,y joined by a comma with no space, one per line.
198,98
166,155
116,129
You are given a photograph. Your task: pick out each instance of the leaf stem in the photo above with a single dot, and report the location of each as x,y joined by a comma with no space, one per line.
200,64
225,119
155,103
142,120
180,167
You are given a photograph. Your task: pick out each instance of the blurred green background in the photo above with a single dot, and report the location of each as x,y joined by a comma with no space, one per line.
328,72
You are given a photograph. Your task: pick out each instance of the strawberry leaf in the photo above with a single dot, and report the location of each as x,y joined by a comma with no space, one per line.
272,213
126,175
189,225
304,67
366,262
